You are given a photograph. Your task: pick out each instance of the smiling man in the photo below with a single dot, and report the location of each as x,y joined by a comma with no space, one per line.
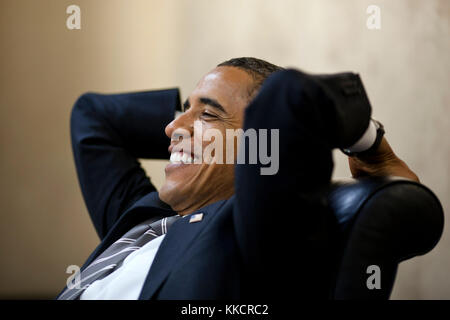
220,229
216,105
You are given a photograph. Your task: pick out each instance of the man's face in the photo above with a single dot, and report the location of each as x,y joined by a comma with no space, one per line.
218,102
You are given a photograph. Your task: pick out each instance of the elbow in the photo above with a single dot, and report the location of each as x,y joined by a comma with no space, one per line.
82,106
82,117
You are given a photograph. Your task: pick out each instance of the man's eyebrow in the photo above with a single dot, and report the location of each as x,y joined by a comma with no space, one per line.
213,103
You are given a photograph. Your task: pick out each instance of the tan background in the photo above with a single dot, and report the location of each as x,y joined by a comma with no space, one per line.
138,45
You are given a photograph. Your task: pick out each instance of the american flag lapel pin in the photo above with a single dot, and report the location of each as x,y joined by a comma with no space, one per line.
196,218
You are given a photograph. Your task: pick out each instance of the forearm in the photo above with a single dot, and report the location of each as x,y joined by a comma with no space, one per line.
134,122
286,214
384,162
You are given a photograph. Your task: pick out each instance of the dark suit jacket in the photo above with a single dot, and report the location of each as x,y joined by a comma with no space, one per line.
254,244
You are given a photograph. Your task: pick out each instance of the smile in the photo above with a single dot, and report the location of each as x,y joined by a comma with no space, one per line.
181,157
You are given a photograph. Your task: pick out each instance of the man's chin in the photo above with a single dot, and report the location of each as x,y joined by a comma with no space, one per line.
165,193
174,190
170,194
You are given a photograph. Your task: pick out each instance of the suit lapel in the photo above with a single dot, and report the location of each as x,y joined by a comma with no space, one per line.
176,242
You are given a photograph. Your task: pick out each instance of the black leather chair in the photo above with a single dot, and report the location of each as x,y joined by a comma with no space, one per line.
381,221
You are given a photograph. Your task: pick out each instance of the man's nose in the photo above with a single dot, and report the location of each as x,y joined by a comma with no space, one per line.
181,125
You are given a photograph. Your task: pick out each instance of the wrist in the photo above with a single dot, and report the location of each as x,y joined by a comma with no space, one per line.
369,142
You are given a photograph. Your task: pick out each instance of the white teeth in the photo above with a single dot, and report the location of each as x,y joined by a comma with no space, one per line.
177,157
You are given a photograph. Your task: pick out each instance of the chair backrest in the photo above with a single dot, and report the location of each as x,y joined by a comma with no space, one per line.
381,222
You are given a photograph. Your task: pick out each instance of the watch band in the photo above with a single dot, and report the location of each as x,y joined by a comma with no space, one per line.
375,145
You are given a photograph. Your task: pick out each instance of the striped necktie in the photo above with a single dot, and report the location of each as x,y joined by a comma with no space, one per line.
112,258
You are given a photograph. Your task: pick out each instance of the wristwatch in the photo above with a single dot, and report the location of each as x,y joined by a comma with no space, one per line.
375,145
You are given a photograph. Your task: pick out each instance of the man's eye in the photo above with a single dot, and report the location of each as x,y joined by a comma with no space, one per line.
208,115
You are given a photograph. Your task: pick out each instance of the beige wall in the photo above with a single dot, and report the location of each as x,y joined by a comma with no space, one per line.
136,45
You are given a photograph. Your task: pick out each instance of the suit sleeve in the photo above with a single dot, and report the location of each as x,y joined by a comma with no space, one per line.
109,133
283,218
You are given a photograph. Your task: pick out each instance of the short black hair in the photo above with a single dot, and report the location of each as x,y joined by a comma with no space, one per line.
259,69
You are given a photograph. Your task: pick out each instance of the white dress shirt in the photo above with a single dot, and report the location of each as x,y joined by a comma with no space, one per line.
126,282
